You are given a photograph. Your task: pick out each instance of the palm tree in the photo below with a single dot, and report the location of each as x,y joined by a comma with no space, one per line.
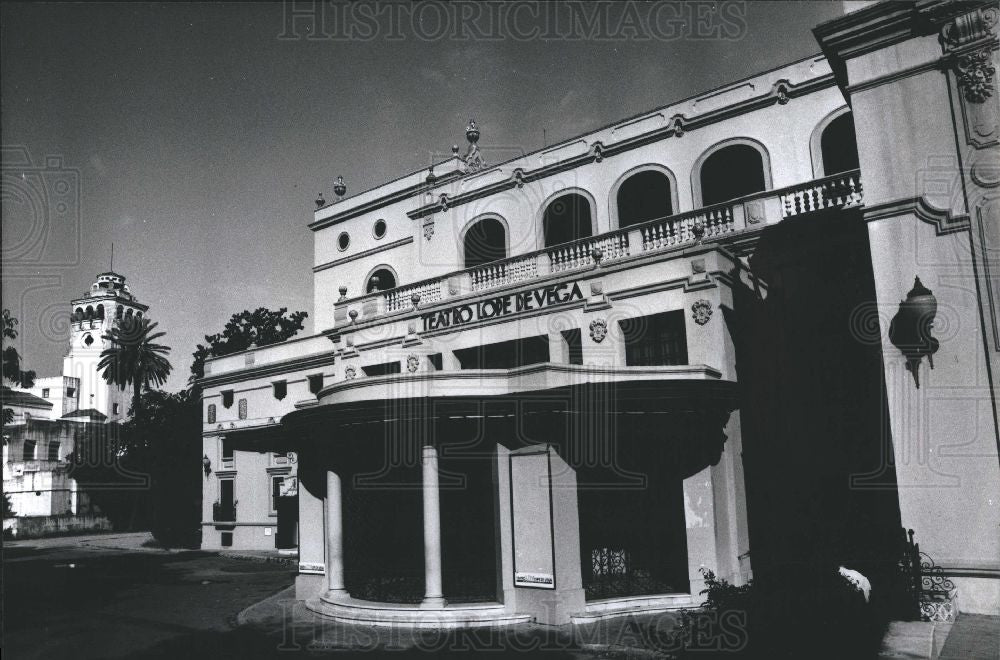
133,359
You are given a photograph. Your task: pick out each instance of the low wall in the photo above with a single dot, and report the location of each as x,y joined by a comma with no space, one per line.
29,527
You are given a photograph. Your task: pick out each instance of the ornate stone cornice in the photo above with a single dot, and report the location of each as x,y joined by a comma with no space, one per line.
887,23
781,92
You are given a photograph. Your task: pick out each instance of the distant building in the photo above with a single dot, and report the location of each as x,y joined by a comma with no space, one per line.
51,417
556,387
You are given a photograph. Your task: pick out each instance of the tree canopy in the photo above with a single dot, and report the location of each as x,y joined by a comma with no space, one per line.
12,371
261,327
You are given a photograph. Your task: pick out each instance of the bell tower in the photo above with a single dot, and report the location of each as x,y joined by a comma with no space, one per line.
108,303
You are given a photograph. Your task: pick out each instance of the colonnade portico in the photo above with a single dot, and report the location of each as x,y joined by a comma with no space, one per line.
557,594
334,507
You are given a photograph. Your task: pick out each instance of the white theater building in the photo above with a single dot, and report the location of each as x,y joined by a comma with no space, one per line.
556,387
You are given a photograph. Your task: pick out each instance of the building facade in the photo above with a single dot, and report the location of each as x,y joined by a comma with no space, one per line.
55,414
558,387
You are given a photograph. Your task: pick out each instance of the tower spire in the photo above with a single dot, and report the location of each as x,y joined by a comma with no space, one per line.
112,269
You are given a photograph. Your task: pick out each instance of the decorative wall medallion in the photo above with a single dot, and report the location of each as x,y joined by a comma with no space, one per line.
429,229
702,311
781,92
598,330
975,72
697,265
412,363
350,373
519,177
755,212
598,152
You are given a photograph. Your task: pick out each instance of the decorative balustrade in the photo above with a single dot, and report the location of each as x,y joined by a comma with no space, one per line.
502,273
709,223
580,254
401,298
712,222
838,191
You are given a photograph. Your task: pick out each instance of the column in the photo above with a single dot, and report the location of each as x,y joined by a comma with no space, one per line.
433,596
334,537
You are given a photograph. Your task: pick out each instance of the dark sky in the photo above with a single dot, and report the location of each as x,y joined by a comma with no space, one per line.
197,138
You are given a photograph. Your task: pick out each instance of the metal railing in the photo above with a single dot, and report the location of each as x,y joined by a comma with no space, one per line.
224,512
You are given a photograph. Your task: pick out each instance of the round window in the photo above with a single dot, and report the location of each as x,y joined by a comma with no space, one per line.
88,340
343,240
379,229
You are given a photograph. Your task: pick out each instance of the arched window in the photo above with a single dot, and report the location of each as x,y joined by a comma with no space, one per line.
128,314
118,312
839,145
380,280
567,218
485,241
90,312
79,314
644,196
730,172
138,315
100,311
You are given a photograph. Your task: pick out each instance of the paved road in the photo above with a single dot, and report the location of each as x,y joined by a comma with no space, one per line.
111,596
85,598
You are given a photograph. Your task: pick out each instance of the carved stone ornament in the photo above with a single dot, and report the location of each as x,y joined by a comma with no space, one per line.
598,330
350,373
975,73
428,229
755,212
970,27
412,363
474,160
701,311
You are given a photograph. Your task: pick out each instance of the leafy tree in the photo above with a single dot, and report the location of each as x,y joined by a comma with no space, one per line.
8,509
261,327
171,425
134,359
12,371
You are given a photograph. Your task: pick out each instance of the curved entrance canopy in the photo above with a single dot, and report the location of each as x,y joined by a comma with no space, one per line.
680,415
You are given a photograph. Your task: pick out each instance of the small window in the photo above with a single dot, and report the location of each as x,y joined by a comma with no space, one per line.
227,398
573,341
379,229
70,392
243,409
276,484
655,340
211,413
54,450
280,389
227,449
28,453
88,340
315,383
343,241
227,540
45,392
116,409
383,369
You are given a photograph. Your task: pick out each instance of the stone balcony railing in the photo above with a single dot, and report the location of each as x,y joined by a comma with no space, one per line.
710,223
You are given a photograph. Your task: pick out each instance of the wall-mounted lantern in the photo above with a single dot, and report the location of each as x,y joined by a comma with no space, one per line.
206,463
910,329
